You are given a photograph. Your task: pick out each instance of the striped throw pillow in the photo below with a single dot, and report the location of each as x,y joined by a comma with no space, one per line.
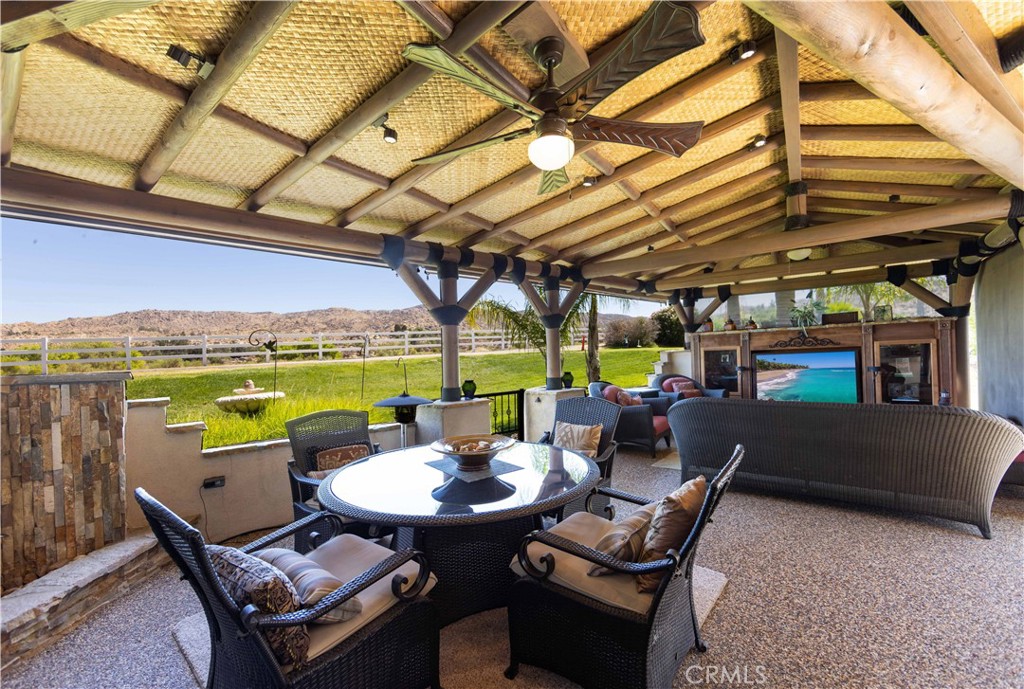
575,436
312,582
626,540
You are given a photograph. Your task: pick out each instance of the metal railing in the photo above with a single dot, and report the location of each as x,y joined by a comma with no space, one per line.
42,355
506,412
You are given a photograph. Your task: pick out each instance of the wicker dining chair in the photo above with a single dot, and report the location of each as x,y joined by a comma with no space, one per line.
310,435
589,411
395,649
592,642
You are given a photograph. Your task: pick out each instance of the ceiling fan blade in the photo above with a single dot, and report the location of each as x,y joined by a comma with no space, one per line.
442,61
665,30
468,148
674,139
551,180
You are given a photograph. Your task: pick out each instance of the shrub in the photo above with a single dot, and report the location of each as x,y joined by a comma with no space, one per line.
630,332
670,330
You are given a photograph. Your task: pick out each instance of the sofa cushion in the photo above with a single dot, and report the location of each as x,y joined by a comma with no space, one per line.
666,385
660,424
689,394
618,590
346,557
681,386
626,540
311,581
248,579
611,393
574,436
672,522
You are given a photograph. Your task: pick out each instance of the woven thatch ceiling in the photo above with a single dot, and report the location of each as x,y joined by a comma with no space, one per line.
96,102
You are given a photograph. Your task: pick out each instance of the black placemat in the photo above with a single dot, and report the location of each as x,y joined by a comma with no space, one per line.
496,467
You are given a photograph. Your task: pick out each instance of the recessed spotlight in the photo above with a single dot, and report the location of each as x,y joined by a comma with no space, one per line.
743,51
650,247
759,141
589,181
894,198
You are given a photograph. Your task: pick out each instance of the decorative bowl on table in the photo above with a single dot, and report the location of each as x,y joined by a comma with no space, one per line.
472,452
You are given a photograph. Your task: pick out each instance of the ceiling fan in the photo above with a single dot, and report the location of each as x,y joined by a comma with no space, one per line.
559,115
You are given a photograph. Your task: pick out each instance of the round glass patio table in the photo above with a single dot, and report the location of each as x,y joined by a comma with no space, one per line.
469,524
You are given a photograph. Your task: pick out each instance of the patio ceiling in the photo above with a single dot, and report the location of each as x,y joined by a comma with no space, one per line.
276,148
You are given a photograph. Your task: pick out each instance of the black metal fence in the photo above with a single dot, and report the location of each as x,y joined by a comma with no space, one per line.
506,412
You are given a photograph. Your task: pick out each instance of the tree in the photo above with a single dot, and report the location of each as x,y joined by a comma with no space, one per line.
870,295
670,329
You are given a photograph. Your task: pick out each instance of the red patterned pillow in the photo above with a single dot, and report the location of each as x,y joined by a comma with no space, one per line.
685,385
667,384
687,394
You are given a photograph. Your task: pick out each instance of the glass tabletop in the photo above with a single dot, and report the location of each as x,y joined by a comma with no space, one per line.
400,488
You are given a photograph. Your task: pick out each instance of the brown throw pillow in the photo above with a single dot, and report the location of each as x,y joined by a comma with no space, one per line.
337,457
672,522
574,436
248,579
626,540
312,582
683,386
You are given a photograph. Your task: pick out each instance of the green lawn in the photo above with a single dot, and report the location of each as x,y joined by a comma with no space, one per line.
336,385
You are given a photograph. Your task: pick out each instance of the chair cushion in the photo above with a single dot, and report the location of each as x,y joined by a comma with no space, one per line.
618,590
248,579
337,457
346,557
666,385
574,436
660,424
626,540
683,385
311,581
672,522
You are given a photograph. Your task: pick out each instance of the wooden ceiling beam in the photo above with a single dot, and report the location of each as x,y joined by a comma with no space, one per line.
818,203
263,20
477,23
925,295
858,277
954,166
867,40
687,88
12,65
966,181
872,259
888,189
25,23
850,230
640,224
789,90
964,36
966,228
776,224
901,133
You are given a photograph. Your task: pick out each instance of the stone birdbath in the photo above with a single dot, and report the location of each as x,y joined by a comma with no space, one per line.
247,400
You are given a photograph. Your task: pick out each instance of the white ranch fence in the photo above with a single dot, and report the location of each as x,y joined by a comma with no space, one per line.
51,354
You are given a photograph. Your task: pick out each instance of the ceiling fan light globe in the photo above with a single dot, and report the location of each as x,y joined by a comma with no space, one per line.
551,151
798,254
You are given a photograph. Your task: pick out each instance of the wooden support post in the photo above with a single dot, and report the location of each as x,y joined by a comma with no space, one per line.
553,342
866,39
13,66
924,294
708,310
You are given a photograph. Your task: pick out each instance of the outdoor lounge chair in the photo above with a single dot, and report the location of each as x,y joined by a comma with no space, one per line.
641,425
392,644
311,435
598,631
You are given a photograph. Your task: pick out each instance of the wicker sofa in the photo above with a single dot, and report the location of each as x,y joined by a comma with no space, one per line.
659,381
940,461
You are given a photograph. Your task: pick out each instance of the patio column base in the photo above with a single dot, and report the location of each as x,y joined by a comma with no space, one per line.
539,410
442,419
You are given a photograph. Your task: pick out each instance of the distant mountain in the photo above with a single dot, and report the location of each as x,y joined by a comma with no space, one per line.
154,322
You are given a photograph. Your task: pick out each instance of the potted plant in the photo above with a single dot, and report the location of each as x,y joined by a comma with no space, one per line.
803,316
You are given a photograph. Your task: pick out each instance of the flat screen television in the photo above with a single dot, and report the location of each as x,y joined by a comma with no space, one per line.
818,376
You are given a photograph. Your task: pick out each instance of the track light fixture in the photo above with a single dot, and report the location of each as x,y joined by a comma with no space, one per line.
185,58
390,135
743,51
589,181
759,141
894,198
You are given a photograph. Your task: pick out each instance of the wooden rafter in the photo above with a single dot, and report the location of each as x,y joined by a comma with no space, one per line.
25,23
860,228
822,202
789,91
867,39
902,133
775,223
256,29
964,36
858,277
819,217
888,189
469,30
924,294
12,65
953,166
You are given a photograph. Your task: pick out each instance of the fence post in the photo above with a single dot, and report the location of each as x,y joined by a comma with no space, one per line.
320,346
128,352
472,341
503,347
44,355
407,343
205,360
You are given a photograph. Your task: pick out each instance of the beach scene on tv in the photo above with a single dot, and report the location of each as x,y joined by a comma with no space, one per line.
807,376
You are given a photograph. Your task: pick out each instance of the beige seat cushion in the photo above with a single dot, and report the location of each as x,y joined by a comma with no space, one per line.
574,436
346,557
672,522
618,590
312,582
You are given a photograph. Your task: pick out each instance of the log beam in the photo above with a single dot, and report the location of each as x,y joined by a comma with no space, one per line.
901,133
30,22
859,277
850,230
478,22
952,166
925,295
817,203
13,66
789,90
964,36
867,39
888,189
256,29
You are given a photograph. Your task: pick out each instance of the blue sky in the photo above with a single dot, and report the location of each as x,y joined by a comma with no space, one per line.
51,272
815,359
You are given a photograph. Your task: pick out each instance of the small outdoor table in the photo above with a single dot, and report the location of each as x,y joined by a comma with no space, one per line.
469,524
